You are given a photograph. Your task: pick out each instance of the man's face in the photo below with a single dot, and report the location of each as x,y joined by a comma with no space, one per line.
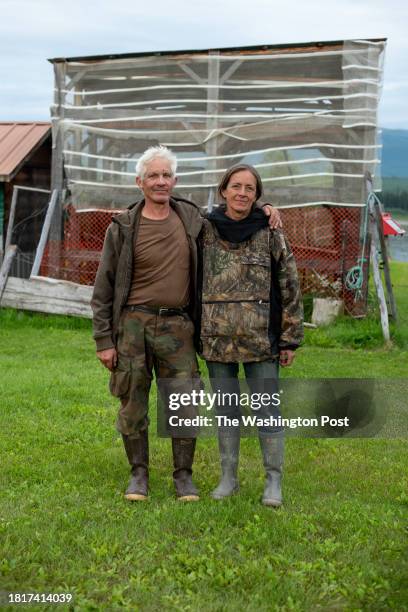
158,181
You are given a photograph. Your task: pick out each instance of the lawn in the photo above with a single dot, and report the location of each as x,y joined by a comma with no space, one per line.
339,542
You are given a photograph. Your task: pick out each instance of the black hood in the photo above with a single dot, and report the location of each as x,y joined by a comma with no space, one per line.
238,231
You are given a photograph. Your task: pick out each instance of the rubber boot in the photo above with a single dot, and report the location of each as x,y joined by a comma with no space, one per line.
272,451
137,451
229,454
183,457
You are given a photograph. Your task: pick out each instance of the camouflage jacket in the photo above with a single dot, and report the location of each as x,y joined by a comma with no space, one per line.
114,276
251,302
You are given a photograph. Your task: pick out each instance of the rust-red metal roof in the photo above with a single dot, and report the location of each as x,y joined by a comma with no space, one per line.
17,141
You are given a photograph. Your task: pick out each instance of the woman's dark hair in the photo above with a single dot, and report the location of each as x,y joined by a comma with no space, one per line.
238,168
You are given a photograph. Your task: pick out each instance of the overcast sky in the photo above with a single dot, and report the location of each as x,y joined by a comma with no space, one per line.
33,30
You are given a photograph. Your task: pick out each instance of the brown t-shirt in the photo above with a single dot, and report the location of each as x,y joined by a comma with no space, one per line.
161,264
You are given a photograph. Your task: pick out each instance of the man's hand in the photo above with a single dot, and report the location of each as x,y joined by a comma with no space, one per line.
286,358
108,358
275,221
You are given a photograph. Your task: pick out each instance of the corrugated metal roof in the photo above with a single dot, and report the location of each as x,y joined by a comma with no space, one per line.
17,142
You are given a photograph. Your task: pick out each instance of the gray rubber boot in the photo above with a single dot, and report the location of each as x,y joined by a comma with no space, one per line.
272,451
229,454
137,451
183,457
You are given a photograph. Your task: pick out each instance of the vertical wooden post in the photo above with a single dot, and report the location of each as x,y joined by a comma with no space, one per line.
57,168
11,218
380,292
44,234
384,251
212,122
9,256
375,211
2,251
373,231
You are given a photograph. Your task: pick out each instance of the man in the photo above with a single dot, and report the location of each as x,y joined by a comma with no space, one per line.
143,305
143,301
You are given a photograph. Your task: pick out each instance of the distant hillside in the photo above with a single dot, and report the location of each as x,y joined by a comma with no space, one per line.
395,170
395,153
394,184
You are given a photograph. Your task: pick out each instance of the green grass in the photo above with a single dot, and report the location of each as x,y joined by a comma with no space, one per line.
339,543
366,333
398,214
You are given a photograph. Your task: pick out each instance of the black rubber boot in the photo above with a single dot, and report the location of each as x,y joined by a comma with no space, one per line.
272,451
183,457
137,451
229,454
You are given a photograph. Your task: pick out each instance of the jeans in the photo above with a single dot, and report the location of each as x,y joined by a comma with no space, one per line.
262,377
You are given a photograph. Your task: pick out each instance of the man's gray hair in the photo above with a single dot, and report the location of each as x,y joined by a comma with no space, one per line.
153,153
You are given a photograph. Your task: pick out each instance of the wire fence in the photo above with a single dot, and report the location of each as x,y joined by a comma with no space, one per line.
326,241
30,208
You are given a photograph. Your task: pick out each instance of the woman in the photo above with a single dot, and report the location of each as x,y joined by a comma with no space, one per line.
251,314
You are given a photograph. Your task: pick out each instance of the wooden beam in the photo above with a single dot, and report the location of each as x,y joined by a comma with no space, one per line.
36,189
77,77
230,71
191,73
44,234
384,251
6,266
211,145
378,233
10,224
57,169
48,295
380,292
373,231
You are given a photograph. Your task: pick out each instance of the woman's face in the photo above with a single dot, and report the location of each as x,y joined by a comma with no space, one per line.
240,194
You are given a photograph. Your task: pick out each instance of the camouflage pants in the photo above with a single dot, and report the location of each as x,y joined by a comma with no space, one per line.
148,342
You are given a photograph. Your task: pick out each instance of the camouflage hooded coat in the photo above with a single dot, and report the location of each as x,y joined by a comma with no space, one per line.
251,302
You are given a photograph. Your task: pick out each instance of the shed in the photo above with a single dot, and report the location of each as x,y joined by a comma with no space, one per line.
304,114
25,162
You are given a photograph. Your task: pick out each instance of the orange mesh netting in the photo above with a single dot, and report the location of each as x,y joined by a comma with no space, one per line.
76,257
325,241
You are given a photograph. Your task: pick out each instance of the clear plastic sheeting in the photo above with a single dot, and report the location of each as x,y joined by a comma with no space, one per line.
305,117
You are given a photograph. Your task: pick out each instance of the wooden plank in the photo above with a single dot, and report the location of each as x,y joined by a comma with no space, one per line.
44,234
378,282
384,251
36,189
212,122
57,163
6,265
65,289
55,234
11,218
42,294
377,234
374,243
